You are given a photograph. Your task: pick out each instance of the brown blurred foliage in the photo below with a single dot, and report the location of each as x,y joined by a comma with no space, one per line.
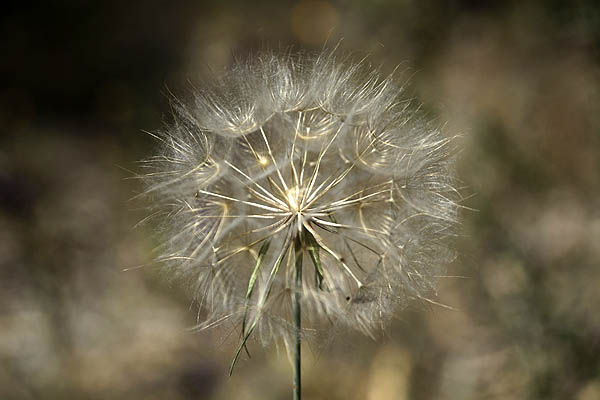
519,81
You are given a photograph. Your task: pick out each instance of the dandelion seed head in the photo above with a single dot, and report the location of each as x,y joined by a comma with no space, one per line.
321,148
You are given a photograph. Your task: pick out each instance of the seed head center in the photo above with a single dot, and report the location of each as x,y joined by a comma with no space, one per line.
294,199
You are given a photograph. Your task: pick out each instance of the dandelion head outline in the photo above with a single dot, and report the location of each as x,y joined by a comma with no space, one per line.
298,155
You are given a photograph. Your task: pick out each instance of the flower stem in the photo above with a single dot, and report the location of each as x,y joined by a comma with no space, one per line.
296,299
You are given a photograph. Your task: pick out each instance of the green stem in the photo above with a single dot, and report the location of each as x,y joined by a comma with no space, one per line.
296,299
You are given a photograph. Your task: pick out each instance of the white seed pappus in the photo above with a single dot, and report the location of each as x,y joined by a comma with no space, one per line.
320,149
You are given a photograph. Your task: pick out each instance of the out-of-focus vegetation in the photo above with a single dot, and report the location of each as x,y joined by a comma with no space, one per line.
520,81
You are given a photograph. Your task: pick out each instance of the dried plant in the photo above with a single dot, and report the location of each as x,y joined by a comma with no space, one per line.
296,157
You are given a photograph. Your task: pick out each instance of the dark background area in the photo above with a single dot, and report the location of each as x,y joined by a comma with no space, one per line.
519,81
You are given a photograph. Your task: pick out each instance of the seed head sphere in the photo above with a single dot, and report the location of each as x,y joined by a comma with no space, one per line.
318,155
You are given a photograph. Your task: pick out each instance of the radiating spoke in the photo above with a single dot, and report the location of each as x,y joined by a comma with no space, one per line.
345,226
249,203
274,200
262,131
343,204
318,164
318,194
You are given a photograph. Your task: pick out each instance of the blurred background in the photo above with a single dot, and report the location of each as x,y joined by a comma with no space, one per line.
519,80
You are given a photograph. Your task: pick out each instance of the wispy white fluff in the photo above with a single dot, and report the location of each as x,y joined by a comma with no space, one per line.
317,146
